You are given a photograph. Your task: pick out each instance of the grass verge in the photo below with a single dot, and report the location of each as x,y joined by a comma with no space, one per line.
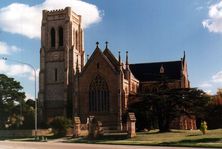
188,138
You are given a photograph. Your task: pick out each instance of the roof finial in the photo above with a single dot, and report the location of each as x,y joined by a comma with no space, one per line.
106,44
184,54
119,57
161,69
97,44
87,57
127,63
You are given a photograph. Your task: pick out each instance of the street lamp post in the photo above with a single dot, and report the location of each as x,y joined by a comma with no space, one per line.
34,70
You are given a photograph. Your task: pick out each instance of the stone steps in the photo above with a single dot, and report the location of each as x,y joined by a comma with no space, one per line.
108,130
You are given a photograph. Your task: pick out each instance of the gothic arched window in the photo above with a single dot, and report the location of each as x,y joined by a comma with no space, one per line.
60,36
56,74
52,34
76,40
98,95
73,37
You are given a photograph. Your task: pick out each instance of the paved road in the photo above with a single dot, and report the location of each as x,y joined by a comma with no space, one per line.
51,145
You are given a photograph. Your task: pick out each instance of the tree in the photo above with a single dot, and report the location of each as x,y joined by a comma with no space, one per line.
11,96
28,114
167,104
214,118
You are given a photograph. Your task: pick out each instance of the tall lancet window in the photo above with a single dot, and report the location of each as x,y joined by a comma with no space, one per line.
76,40
98,95
52,34
60,36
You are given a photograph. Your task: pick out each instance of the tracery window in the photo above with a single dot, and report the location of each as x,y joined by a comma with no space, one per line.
98,95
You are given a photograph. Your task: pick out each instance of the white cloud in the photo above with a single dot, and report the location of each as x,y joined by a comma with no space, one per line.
213,84
214,22
29,96
32,76
17,70
217,78
209,92
26,20
205,85
6,49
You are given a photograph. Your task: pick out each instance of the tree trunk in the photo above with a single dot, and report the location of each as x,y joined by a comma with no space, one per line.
164,125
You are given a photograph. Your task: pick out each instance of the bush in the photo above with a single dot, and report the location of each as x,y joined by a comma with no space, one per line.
203,127
60,124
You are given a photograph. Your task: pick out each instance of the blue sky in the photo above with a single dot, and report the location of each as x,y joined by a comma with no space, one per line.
151,30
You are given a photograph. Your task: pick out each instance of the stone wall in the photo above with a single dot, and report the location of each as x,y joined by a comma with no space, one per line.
97,65
16,133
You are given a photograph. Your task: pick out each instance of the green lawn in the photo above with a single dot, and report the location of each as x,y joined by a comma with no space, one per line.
194,138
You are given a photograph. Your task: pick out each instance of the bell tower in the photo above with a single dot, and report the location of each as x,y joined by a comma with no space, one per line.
61,56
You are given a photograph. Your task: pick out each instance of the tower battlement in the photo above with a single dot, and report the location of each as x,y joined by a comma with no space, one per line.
56,11
66,13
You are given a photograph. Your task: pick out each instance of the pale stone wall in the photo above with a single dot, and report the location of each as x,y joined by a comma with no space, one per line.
54,94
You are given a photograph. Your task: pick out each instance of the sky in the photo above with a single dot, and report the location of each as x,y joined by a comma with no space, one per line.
151,30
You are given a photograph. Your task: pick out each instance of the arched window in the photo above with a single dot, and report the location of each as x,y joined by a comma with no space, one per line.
98,95
73,37
56,74
52,34
76,40
60,36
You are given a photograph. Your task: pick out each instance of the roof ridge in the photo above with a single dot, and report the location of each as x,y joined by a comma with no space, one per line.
156,62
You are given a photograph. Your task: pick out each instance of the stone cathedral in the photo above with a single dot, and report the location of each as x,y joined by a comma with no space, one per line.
100,86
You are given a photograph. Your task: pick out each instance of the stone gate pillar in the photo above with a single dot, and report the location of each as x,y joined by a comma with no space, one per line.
131,124
76,127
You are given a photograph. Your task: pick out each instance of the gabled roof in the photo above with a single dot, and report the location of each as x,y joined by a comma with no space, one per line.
151,71
92,57
111,58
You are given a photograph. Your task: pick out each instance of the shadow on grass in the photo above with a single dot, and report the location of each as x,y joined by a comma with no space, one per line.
194,135
204,140
98,140
196,141
158,132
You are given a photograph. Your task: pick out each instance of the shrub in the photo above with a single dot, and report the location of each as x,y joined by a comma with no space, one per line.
60,124
203,127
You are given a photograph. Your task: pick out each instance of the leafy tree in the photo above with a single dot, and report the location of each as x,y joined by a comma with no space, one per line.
10,96
213,117
15,112
28,114
167,104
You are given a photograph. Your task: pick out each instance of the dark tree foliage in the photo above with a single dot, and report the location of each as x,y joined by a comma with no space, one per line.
13,109
28,114
214,116
163,106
